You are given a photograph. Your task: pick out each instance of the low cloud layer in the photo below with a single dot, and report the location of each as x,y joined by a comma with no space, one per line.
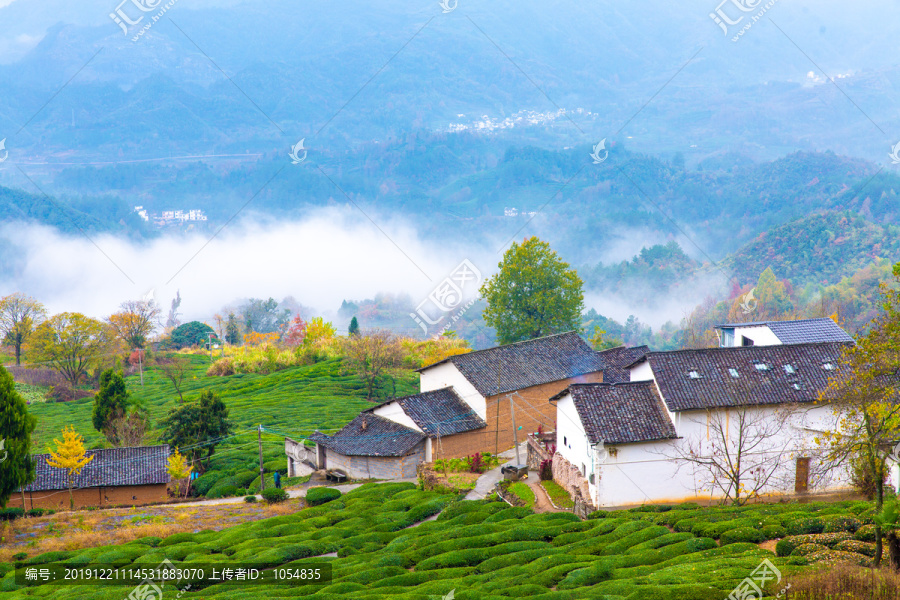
330,256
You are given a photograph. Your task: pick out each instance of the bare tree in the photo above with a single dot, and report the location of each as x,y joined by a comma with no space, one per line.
742,454
129,430
373,355
174,368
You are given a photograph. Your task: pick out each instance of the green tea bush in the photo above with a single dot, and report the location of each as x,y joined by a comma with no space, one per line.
511,512
786,546
842,523
773,532
11,513
249,499
866,533
222,491
601,570
805,525
320,495
275,495
742,534
685,524
865,548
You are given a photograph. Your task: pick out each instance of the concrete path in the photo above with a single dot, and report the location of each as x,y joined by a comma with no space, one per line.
489,479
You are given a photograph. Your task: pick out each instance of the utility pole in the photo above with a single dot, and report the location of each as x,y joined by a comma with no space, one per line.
512,412
209,339
262,476
140,364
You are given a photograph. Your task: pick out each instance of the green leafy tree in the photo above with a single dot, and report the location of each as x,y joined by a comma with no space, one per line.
534,294
233,330
264,316
197,425
16,425
110,403
354,326
190,334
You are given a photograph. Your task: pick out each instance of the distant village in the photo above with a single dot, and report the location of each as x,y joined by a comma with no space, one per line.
170,217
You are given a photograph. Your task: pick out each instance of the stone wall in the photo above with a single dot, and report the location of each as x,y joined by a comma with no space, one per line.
571,479
377,467
536,454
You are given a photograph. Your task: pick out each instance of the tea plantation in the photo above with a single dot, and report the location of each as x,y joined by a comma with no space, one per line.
487,550
293,402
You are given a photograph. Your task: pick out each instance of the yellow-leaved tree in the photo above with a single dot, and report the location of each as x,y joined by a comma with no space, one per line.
69,455
178,469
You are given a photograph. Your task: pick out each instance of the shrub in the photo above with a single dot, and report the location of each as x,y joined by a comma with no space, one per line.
20,556
866,533
742,534
597,572
864,548
786,546
320,495
222,491
249,499
842,523
545,472
773,532
274,495
11,513
807,549
805,525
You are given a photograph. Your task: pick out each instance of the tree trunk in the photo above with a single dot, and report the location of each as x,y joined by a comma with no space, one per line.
893,540
71,496
879,503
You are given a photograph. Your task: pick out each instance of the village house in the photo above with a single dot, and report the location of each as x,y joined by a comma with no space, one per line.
115,477
466,405
771,333
619,444
388,441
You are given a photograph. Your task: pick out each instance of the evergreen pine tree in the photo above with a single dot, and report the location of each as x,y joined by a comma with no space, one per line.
16,425
354,326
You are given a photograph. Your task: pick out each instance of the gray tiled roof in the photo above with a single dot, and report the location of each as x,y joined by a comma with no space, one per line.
802,331
716,387
371,435
525,364
616,359
621,413
144,465
439,412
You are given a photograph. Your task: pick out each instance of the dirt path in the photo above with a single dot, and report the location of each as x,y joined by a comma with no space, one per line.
541,500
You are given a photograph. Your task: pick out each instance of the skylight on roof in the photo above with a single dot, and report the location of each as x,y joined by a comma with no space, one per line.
761,367
828,366
694,375
789,369
734,373
796,386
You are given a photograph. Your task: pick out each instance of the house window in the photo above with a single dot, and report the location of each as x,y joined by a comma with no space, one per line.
727,338
584,469
745,341
734,373
694,375
789,369
565,442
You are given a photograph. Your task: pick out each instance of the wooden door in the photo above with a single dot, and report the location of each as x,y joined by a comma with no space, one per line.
801,481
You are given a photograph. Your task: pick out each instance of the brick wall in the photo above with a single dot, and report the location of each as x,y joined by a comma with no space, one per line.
126,495
533,409
377,467
571,479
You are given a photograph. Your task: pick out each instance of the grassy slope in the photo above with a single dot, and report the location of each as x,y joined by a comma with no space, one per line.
483,550
294,402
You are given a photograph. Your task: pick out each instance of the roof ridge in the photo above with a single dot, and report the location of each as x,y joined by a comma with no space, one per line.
750,348
511,344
